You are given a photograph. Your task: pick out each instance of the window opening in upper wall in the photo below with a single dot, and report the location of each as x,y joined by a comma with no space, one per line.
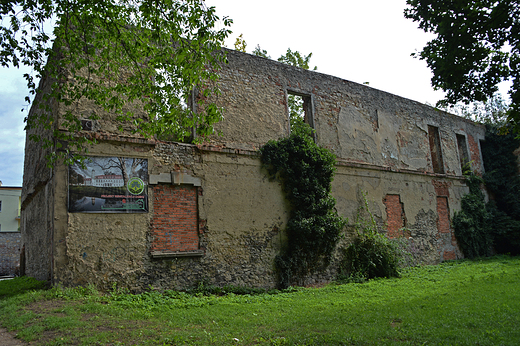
463,151
300,109
435,149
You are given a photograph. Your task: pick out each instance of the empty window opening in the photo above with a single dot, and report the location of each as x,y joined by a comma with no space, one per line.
300,109
463,152
435,149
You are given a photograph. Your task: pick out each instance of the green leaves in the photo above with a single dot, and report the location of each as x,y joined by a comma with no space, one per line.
371,254
477,46
137,60
314,227
295,59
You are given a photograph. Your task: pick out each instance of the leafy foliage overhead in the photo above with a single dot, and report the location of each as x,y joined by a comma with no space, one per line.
115,52
477,46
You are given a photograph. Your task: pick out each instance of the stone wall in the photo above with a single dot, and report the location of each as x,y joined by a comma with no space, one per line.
38,190
214,215
9,253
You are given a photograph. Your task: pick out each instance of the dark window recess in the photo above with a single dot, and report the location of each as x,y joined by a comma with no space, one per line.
435,149
86,125
463,151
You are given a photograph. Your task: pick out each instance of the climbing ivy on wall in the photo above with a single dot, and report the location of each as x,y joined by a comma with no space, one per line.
314,226
481,227
472,223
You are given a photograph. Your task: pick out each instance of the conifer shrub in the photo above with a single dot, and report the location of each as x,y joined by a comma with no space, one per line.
314,226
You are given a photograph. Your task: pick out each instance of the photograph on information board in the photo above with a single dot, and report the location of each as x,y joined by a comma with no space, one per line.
109,185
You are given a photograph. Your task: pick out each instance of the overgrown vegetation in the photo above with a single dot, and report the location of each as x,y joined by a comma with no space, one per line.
483,228
314,226
472,223
503,182
428,305
371,254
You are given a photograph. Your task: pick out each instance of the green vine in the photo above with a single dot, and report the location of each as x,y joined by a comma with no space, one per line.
314,226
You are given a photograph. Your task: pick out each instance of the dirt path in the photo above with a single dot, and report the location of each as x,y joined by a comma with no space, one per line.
7,339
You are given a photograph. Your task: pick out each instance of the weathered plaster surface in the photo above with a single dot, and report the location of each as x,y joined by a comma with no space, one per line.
381,141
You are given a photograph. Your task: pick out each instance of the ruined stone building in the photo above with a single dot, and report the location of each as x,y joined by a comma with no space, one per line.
209,212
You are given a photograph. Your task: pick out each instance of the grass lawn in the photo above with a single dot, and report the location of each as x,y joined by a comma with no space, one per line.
455,303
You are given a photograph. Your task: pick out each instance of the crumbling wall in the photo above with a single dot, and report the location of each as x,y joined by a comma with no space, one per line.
386,145
38,188
214,215
358,123
241,215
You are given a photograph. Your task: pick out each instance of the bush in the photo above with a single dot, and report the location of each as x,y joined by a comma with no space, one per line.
371,254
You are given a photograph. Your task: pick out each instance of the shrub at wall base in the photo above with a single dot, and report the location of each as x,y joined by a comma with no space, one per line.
371,254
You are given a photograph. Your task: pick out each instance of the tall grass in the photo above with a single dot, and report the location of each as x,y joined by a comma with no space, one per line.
454,303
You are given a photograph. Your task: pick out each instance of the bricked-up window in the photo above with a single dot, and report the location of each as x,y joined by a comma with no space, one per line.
435,149
175,219
395,217
443,212
463,150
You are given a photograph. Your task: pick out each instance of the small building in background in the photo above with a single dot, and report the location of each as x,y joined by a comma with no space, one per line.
10,198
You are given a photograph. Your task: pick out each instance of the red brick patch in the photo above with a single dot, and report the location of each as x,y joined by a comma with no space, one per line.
474,151
449,255
175,221
395,218
443,215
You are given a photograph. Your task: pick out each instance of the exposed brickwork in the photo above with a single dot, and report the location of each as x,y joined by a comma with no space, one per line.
9,252
395,218
175,224
474,151
443,221
449,255
442,188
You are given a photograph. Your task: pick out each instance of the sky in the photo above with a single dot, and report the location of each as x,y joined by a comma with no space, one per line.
366,41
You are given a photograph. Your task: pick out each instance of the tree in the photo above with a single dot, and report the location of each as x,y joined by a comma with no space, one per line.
261,52
296,59
492,111
117,52
240,43
477,47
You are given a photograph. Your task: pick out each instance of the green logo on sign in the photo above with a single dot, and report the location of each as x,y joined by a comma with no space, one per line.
135,186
